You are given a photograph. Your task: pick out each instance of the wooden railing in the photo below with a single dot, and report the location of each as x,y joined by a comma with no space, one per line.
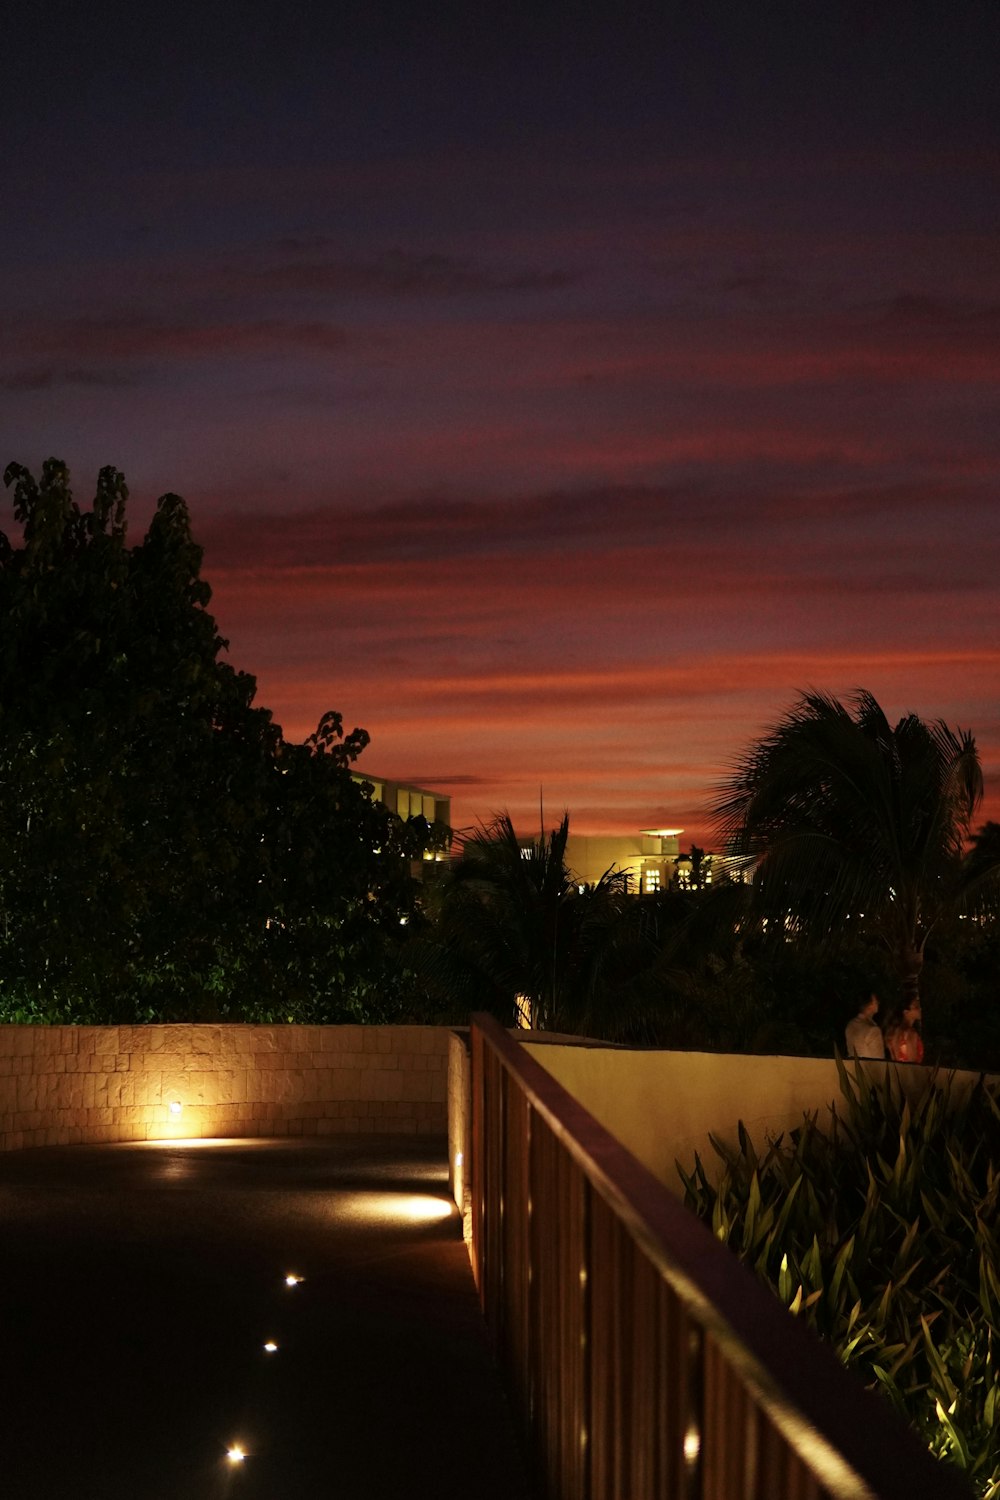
645,1362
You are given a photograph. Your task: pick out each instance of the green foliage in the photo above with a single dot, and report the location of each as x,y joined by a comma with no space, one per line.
854,820
680,968
511,921
693,986
712,982
881,1232
164,852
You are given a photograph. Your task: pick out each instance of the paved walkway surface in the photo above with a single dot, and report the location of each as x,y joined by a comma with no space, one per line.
139,1284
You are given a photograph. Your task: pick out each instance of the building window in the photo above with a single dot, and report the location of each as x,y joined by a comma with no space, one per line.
651,881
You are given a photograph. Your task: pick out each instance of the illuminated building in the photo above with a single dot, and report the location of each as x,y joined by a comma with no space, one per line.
409,801
649,857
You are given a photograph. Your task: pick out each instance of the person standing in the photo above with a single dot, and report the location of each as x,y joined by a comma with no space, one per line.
902,1038
863,1037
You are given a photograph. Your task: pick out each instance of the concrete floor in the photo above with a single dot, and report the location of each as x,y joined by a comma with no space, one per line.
138,1285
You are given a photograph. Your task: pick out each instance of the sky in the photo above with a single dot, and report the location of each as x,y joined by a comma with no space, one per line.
557,393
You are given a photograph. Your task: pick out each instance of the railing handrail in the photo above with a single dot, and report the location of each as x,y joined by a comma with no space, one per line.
852,1440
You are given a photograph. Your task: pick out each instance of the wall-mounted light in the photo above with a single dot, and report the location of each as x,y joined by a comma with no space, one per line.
175,1106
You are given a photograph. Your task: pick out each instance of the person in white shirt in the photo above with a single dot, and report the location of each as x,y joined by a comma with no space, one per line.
864,1039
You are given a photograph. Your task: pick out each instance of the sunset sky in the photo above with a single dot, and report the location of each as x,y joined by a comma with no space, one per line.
554,396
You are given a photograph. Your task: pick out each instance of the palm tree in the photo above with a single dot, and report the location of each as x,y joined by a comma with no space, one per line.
515,930
848,816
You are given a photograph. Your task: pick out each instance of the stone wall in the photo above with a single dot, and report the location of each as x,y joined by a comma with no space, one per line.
62,1085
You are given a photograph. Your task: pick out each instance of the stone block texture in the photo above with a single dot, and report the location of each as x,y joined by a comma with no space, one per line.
62,1085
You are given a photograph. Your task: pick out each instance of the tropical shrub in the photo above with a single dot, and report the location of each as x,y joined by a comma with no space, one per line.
513,930
880,1230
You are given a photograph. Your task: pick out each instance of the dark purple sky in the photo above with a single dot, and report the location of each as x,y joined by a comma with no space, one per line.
556,397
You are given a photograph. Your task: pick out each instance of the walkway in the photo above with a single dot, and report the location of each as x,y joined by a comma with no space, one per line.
139,1285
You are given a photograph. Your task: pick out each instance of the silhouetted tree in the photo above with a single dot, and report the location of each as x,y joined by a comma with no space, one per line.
692,871
850,818
163,850
515,930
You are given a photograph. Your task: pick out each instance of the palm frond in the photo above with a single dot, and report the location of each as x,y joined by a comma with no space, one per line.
845,814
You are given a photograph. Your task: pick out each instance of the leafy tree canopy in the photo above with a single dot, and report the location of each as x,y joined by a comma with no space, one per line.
164,851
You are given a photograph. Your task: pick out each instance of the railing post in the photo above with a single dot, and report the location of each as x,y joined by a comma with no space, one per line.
646,1361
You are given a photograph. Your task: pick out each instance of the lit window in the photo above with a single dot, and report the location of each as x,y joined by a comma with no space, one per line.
652,880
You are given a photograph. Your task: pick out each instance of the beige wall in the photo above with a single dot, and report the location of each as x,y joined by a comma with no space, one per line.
663,1105
60,1085
589,856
